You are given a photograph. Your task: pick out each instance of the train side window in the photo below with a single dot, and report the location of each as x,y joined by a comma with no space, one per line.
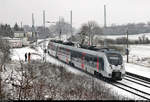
95,61
101,63
87,58
59,49
72,54
79,55
63,51
93,64
90,61
75,55
66,51
90,58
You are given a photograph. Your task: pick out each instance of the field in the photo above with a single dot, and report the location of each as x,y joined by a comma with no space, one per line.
131,37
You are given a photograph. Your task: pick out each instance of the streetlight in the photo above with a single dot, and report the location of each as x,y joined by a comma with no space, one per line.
44,45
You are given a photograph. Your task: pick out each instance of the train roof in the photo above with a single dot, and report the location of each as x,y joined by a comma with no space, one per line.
100,51
80,49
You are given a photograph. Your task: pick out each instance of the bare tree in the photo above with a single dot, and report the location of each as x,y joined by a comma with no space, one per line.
83,33
89,29
61,27
4,58
6,30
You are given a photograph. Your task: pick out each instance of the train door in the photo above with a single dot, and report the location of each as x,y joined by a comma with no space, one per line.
83,61
89,63
100,64
86,61
67,56
98,67
56,51
51,49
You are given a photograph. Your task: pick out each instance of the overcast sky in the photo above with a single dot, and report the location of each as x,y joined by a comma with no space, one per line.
118,11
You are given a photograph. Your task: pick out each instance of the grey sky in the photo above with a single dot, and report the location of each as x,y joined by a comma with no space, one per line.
118,11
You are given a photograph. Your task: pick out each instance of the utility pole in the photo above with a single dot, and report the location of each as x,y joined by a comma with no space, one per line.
127,50
34,34
44,44
60,28
71,23
105,16
33,30
105,43
89,37
44,20
44,25
21,25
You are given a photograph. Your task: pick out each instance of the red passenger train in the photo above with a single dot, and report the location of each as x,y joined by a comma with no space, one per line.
107,63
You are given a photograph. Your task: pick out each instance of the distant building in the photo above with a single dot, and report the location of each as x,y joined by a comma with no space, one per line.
26,37
29,34
13,42
20,39
19,34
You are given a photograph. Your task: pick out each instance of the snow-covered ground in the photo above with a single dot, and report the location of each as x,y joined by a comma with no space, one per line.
139,59
137,69
37,54
19,53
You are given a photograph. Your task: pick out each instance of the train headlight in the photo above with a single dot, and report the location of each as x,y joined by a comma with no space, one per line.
121,66
111,66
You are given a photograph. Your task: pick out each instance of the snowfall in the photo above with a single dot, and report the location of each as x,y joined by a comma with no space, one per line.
139,62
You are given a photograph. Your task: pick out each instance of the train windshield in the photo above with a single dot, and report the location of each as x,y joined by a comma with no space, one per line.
114,59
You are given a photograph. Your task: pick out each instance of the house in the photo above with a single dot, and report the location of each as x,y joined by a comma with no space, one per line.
29,34
13,42
24,36
19,34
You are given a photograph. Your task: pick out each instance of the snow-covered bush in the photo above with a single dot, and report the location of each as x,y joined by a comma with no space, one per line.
39,81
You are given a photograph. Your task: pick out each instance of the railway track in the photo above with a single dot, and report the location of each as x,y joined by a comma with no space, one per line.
143,82
135,91
138,76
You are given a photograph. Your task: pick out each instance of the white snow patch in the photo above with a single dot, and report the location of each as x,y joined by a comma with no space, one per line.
140,70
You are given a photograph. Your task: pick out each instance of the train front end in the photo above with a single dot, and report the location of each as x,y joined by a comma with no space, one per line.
115,66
